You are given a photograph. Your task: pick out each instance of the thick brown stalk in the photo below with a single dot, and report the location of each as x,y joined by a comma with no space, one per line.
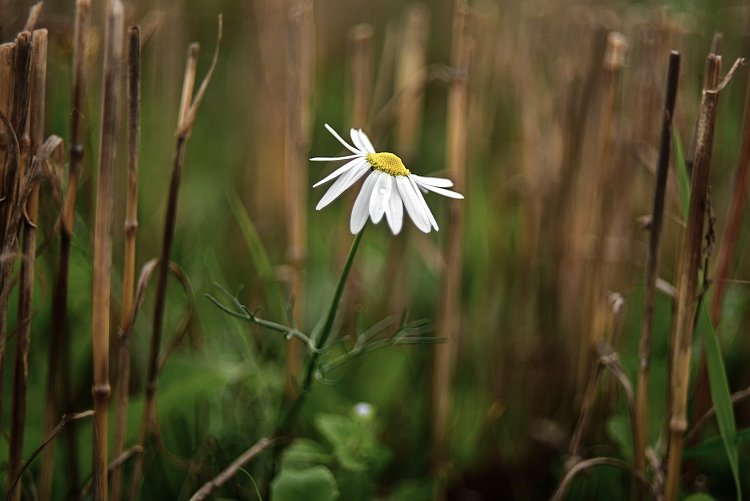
103,247
12,181
189,106
58,346
122,387
35,132
449,322
652,263
300,66
687,278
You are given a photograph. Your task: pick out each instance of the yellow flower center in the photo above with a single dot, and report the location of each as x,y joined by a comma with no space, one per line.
388,163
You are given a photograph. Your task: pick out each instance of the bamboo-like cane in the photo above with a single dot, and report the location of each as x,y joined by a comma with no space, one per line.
299,84
652,263
103,247
687,276
189,106
10,207
449,321
58,346
131,227
35,133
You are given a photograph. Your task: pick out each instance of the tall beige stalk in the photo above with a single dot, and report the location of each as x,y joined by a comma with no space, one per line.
56,378
361,61
128,275
103,247
34,136
449,321
687,277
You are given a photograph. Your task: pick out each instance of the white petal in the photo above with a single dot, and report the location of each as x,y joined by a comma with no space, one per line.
366,141
349,165
347,145
412,204
395,212
342,183
356,140
333,159
440,191
425,207
362,203
380,197
440,182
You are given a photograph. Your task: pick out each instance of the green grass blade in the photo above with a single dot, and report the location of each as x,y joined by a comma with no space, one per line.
258,255
720,395
683,179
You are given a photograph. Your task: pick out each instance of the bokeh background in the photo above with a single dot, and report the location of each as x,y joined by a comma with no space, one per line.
553,147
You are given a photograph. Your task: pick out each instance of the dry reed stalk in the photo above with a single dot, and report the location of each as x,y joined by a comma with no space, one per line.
449,320
600,208
726,256
189,105
687,277
58,379
300,66
7,55
408,87
652,263
384,76
12,205
33,16
361,61
34,137
122,387
103,247
411,73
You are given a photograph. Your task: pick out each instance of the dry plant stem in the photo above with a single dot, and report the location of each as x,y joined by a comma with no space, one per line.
562,489
449,321
209,487
687,288
103,247
299,80
57,379
11,185
360,43
131,227
34,135
188,109
66,419
33,16
652,263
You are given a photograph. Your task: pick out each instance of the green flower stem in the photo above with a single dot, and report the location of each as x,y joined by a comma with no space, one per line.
320,341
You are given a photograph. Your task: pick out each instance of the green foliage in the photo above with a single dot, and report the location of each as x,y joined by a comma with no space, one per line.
315,483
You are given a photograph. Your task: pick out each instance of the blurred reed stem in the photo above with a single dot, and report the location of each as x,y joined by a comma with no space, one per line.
300,65
652,261
449,322
10,215
360,61
122,387
687,276
103,246
32,140
600,208
189,105
58,365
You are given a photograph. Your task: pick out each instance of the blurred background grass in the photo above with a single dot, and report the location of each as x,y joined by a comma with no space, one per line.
535,85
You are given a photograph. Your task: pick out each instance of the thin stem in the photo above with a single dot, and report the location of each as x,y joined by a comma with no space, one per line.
58,346
652,264
131,227
320,341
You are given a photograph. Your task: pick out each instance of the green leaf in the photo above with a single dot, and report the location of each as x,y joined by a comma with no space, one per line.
699,496
720,395
258,254
304,453
354,442
312,484
683,179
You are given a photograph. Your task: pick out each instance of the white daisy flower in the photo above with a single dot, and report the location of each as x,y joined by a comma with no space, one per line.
387,190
